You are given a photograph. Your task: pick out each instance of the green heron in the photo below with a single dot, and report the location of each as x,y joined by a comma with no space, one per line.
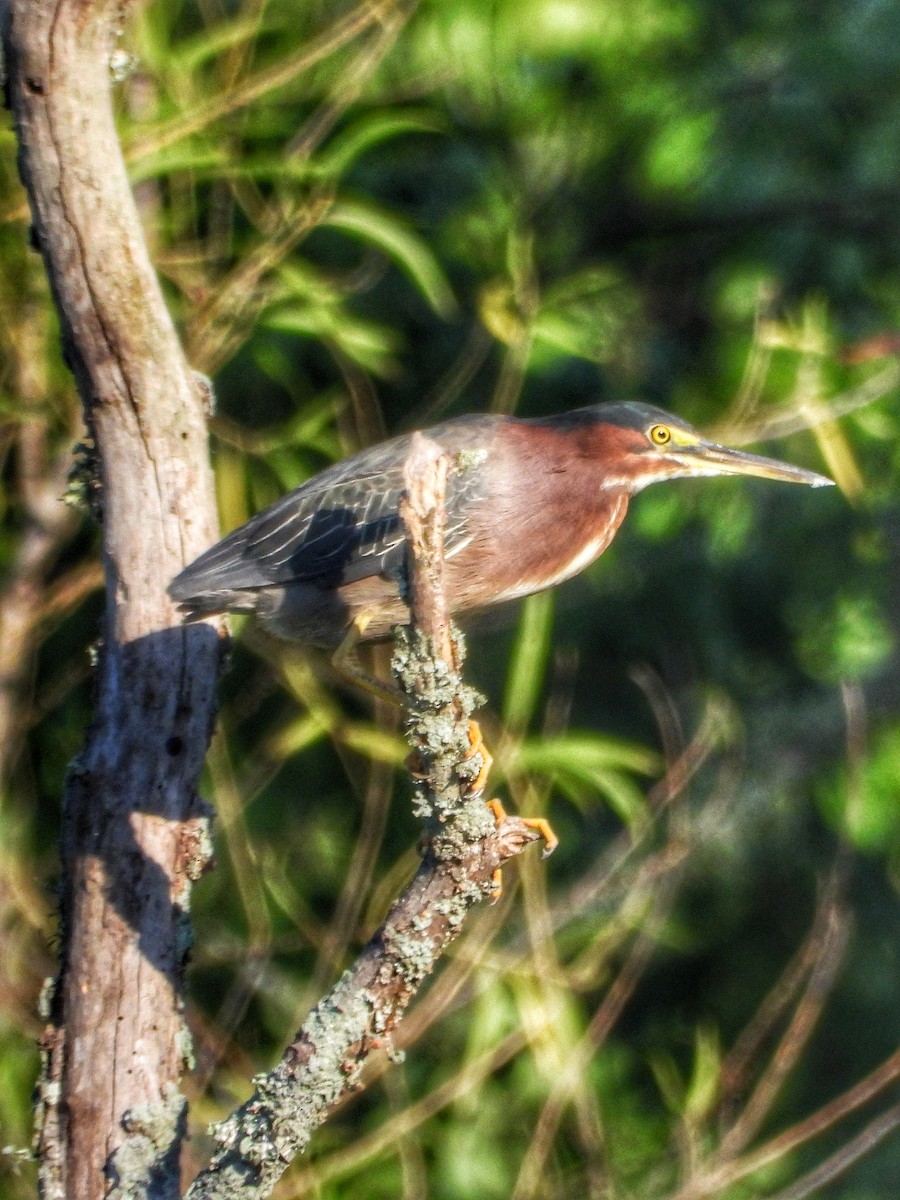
529,503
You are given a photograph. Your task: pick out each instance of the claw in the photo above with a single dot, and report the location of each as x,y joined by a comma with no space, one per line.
539,823
551,841
473,787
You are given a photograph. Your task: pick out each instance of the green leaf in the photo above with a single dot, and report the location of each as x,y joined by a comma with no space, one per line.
668,1080
193,53
862,803
583,765
401,244
677,158
703,1089
529,660
370,345
345,148
847,640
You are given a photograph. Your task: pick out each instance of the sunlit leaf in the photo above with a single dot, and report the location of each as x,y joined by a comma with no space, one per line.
529,662
581,764
703,1089
863,801
346,147
401,244
845,641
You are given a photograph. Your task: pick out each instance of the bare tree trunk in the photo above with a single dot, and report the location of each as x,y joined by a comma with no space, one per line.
134,831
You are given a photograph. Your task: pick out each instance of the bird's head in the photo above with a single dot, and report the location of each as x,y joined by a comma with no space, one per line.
643,445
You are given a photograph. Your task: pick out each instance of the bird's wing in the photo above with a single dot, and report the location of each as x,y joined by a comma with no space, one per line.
340,526
345,530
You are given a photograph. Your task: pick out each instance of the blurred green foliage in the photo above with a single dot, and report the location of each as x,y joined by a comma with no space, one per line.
367,218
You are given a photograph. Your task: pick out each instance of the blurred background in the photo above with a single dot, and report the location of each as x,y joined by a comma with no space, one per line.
371,217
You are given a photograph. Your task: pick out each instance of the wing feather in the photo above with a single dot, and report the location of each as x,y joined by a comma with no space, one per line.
340,526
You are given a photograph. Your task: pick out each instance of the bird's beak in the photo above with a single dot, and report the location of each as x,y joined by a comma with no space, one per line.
709,458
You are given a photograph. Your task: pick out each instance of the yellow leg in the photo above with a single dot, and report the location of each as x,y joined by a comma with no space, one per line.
496,884
497,877
347,665
499,812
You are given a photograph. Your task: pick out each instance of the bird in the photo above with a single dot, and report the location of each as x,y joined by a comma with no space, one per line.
530,503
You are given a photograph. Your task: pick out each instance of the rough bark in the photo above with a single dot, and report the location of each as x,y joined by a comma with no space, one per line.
464,851
134,831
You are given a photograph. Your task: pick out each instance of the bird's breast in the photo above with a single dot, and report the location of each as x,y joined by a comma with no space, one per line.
560,548
532,533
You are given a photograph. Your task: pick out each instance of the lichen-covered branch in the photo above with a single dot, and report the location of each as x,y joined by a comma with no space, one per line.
134,830
463,852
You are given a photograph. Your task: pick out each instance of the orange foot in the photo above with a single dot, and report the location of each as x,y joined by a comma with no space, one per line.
551,841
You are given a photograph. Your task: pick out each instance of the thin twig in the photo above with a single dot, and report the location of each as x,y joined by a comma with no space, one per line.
269,79
604,1020
805,1018
842,1160
781,423
423,511
716,1181
747,1049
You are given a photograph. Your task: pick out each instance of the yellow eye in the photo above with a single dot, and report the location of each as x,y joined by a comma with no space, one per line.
660,434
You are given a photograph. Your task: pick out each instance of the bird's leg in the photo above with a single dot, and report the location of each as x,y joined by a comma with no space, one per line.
345,662
543,827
